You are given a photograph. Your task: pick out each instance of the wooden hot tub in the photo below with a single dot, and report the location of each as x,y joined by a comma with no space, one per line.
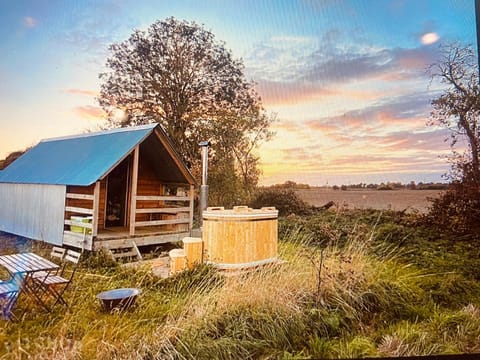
241,237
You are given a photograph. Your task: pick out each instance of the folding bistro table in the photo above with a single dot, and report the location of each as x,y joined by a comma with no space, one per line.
22,268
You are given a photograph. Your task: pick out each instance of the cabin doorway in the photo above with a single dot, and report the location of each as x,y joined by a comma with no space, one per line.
117,190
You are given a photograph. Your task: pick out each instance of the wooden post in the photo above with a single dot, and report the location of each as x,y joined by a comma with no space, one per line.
193,250
192,198
96,208
88,239
133,200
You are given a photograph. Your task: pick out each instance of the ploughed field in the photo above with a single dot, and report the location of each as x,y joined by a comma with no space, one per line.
398,200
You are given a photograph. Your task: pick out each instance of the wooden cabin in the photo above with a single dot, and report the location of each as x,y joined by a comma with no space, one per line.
101,189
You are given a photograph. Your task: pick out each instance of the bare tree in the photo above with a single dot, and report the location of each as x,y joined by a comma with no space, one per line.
458,107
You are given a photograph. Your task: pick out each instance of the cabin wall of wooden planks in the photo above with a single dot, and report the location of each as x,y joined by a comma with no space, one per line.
156,207
80,203
148,185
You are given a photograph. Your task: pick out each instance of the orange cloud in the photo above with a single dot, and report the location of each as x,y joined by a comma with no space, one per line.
386,163
341,139
89,112
80,92
320,126
363,164
286,125
281,93
274,93
412,62
393,143
416,59
362,95
388,118
394,76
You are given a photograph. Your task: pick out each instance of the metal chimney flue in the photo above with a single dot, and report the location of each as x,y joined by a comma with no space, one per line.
204,187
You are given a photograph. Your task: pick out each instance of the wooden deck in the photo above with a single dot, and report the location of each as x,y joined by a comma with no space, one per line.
119,232
143,236
118,237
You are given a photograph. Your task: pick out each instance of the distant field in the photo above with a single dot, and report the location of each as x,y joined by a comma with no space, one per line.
374,199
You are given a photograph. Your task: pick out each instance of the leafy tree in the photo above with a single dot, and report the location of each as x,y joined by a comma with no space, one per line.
458,109
176,73
234,166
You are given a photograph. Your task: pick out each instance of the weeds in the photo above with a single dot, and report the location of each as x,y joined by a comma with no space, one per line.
365,289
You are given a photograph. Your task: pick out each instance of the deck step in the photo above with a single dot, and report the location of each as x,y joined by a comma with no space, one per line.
128,251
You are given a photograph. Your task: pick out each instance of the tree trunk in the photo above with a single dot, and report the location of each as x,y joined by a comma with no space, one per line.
472,138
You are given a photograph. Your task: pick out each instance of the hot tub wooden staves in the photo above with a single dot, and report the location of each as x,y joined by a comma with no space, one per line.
241,237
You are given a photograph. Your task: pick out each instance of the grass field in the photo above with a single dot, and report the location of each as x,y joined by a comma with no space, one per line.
397,200
383,285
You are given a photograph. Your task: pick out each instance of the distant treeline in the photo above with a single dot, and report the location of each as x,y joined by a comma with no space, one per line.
382,186
11,158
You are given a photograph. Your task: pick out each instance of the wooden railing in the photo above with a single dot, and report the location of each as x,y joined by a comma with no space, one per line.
82,238
164,210
80,211
174,207
85,225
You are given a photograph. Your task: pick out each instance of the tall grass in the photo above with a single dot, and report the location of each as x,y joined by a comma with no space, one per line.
348,295
274,311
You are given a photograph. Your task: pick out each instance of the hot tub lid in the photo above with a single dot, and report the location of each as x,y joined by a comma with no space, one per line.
240,213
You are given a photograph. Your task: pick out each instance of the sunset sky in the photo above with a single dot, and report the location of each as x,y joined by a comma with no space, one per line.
346,79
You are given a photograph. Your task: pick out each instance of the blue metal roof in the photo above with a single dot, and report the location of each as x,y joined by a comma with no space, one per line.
79,160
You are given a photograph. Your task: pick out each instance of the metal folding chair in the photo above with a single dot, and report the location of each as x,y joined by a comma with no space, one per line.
57,254
56,284
9,291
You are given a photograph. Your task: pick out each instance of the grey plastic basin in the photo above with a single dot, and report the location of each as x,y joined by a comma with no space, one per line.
118,299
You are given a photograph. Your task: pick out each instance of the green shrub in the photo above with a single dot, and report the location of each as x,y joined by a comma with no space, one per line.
392,233
286,201
457,211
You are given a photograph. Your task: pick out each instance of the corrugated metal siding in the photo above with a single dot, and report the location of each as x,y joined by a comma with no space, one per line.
78,160
33,211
